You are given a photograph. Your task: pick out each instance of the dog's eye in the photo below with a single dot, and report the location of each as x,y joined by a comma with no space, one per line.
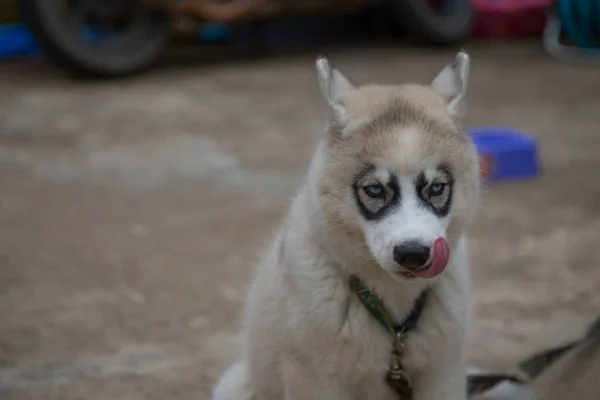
375,191
436,189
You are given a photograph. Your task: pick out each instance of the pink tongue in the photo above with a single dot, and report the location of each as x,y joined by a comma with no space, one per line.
441,255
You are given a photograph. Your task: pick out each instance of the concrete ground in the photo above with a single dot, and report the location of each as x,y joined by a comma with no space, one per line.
132,212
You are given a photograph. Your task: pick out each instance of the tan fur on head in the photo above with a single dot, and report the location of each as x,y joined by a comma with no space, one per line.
401,127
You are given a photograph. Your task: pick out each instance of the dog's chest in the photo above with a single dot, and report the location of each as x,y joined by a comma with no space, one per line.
365,356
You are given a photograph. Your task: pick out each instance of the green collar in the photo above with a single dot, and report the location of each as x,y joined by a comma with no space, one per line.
477,383
396,376
374,304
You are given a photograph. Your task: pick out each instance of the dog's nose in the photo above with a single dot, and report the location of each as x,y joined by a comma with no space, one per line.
411,255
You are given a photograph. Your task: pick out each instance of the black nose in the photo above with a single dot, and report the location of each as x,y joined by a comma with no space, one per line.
411,255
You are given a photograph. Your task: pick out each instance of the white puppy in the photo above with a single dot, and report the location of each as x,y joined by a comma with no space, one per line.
390,191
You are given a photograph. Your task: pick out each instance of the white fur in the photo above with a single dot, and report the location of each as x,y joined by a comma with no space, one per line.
308,336
334,88
233,385
410,222
452,83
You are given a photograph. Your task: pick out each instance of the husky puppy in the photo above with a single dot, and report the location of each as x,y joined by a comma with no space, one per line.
389,193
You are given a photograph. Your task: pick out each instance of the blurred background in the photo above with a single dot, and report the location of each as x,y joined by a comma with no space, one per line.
149,148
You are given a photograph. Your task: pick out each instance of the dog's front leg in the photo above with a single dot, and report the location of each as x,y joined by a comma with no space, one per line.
437,353
302,382
445,379
442,385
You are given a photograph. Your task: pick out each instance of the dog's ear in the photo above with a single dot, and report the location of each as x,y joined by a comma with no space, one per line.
452,83
335,88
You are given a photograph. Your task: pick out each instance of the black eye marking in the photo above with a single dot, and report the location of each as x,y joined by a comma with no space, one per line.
436,196
376,191
375,200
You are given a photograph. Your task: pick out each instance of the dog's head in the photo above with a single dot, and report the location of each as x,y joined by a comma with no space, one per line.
397,170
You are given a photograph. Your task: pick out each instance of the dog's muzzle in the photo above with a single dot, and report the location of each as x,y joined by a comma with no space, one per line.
422,261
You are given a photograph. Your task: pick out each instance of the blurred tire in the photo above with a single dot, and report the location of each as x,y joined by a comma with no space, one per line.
64,45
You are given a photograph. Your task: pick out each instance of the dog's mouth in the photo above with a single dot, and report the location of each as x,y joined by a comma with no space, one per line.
437,264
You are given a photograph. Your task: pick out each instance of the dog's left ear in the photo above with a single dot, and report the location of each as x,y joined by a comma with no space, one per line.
335,88
452,83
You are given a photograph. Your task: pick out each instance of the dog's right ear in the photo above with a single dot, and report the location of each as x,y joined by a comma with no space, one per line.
452,83
335,88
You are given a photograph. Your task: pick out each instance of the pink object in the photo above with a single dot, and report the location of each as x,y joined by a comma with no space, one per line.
509,18
441,256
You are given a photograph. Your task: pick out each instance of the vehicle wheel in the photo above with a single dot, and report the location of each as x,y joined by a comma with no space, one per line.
436,22
97,38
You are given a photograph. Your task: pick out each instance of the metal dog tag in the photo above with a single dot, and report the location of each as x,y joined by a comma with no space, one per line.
396,377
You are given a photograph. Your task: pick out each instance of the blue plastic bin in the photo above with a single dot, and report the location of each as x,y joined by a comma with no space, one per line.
16,40
505,153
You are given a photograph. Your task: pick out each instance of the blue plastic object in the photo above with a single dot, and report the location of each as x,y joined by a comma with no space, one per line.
505,154
581,21
16,40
